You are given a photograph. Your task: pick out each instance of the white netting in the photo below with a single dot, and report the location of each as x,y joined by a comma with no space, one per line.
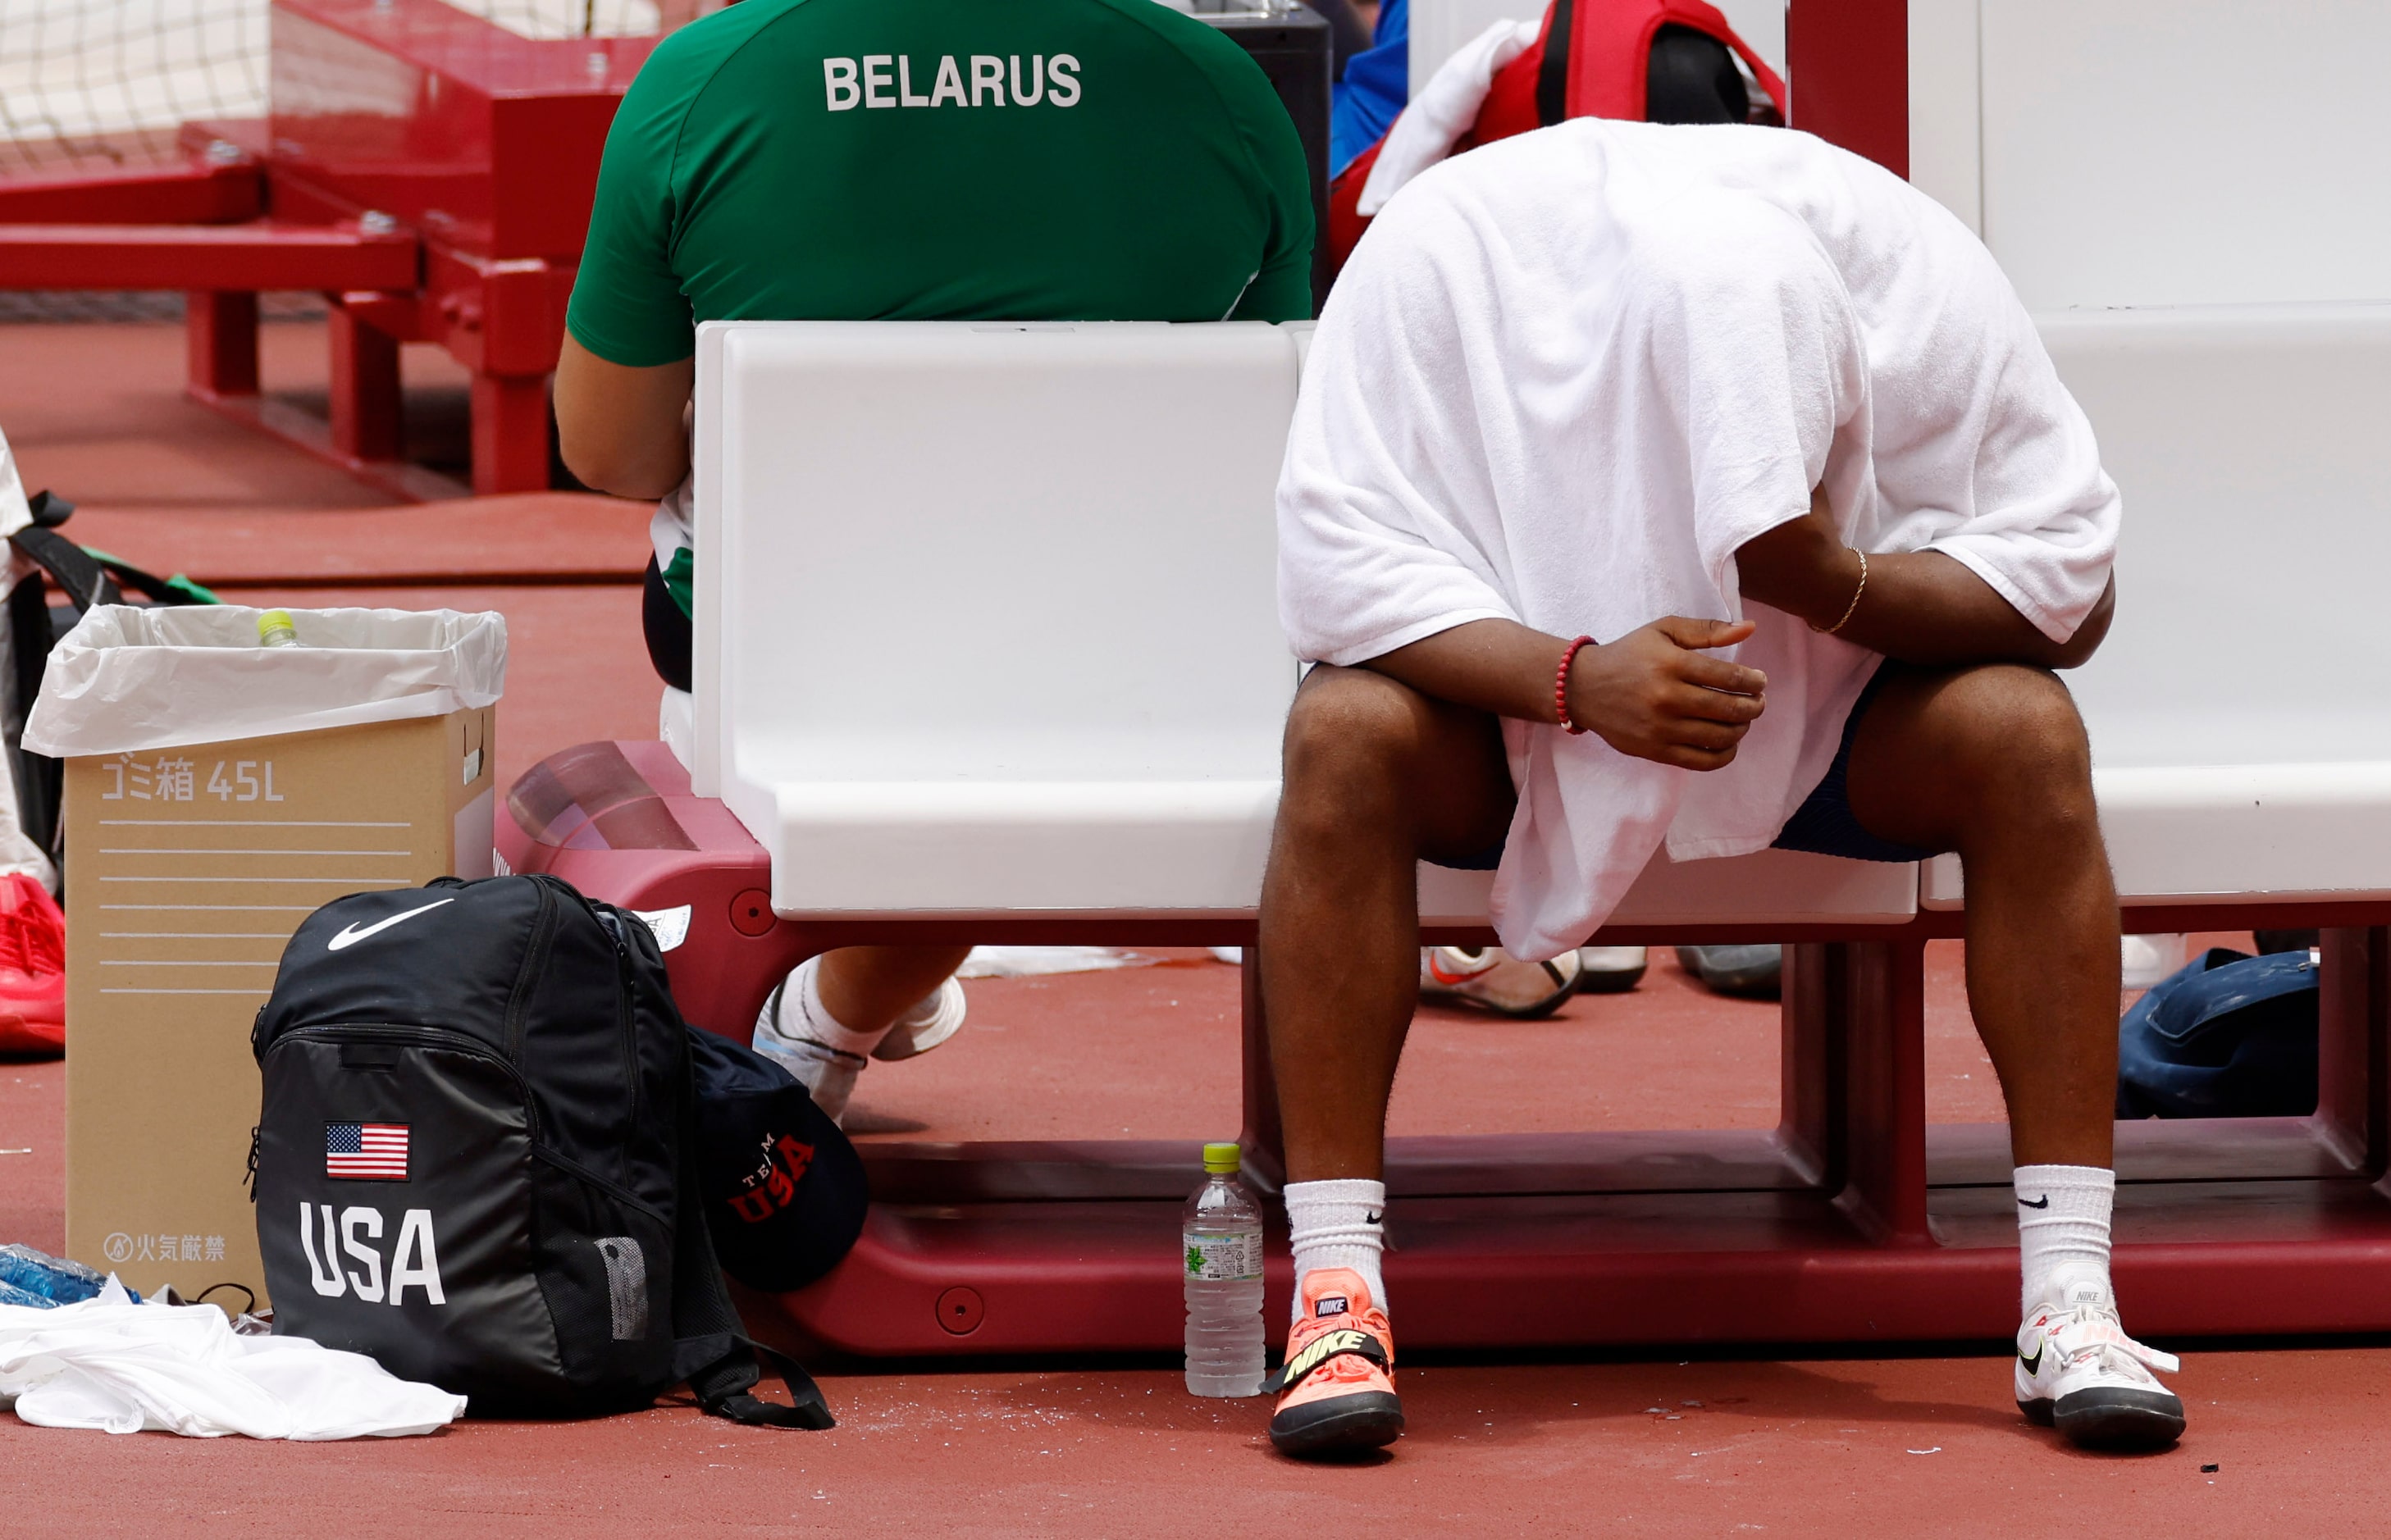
108,82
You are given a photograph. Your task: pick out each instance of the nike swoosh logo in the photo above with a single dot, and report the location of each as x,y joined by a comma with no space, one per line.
1375,1216
355,934
2041,1203
2032,1364
1436,970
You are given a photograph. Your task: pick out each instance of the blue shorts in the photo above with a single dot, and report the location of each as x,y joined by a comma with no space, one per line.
1823,825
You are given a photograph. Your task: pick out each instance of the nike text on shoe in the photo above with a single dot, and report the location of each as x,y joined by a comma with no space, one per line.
1337,1390
1493,979
2078,1371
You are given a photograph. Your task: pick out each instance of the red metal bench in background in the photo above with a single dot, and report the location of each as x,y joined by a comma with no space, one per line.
429,171
1853,1221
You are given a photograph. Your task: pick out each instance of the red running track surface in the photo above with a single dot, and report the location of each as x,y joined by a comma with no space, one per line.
1924,1445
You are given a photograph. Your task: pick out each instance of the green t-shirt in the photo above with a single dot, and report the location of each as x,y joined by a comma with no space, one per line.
925,160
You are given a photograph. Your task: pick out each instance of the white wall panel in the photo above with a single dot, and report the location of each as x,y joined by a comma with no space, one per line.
1441,27
2188,152
1945,107
1760,23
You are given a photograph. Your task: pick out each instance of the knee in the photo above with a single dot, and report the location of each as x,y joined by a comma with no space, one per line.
2022,751
1352,743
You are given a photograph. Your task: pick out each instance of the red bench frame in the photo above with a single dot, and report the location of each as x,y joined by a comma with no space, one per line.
1853,1220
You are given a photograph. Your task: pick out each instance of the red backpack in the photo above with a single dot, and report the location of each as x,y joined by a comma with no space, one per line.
1594,58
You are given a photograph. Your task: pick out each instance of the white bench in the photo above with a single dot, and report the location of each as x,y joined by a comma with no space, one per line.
2241,710
986,622
987,626
987,649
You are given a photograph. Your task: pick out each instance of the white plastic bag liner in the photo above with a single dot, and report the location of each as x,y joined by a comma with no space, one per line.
128,679
122,1368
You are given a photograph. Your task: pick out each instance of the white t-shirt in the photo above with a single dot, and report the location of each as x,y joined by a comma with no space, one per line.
1566,376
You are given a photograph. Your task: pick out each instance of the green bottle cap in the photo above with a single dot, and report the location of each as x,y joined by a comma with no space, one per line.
274,628
1221,1159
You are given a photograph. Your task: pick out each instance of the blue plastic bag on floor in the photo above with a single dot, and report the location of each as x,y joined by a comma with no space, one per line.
2228,1035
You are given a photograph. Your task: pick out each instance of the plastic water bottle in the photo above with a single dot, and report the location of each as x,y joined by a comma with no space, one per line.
28,1276
274,629
1222,1243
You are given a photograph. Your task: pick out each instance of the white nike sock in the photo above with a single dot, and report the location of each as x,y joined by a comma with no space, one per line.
803,1016
2062,1221
1339,1224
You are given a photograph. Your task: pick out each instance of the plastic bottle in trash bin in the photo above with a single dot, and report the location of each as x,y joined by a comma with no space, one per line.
1222,1249
274,629
45,1279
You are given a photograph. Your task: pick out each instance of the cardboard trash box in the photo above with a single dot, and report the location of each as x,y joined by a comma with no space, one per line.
218,792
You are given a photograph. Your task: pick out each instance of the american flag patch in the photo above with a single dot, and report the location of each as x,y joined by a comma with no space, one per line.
366,1151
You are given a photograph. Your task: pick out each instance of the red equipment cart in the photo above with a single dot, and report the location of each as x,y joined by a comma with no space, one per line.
427,171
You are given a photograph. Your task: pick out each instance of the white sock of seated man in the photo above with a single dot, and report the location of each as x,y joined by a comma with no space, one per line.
2063,1213
812,1019
1339,1223
2063,1217
821,1051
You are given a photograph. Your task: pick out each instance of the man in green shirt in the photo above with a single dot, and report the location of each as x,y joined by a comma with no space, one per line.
907,160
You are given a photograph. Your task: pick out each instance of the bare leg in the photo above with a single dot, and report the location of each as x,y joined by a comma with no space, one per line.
1377,776
865,988
1992,762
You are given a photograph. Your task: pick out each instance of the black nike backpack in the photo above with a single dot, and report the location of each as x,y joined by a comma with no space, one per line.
474,1160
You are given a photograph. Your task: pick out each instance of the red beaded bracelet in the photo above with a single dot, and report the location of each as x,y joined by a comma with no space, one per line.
1561,684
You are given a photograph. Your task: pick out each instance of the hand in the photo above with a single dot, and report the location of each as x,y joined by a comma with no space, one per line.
1655,694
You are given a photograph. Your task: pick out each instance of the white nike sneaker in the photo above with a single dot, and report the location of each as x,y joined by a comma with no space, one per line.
1493,978
827,1073
937,1017
2077,1371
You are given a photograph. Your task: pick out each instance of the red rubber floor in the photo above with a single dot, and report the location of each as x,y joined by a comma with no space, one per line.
1816,1446
1820,1447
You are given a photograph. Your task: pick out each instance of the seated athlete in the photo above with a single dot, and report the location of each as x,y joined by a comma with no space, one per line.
907,160
1772,428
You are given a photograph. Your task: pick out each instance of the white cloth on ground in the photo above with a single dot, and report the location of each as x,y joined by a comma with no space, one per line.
1564,376
1442,111
111,1364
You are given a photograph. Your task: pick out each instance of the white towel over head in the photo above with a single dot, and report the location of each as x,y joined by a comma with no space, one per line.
1567,375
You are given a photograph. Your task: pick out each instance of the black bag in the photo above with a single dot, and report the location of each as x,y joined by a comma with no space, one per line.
784,1189
2228,1035
472,1156
85,578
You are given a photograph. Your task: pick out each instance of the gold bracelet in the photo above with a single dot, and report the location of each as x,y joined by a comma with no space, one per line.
1850,609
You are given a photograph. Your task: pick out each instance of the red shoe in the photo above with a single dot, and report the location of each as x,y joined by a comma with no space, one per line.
32,968
1338,1382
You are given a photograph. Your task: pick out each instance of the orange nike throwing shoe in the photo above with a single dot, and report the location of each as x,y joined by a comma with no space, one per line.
1338,1387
